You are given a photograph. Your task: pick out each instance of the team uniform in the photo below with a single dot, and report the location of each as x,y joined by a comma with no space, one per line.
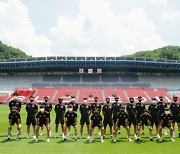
15,103
116,107
131,110
14,118
96,105
42,118
175,110
107,112
154,112
31,113
85,112
60,110
139,110
75,106
161,105
47,108
70,118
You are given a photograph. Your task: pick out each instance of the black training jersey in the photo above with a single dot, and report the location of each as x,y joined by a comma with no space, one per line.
139,109
162,107
154,110
75,106
122,117
95,105
71,116
96,119
116,107
175,109
15,103
145,118
48,106
131,110
107,111
60,110
42,117
14,116
31,109
166,118
85,110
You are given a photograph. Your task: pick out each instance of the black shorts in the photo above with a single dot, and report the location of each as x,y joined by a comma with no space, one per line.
31,120
165,125
70,124
132,120
122,124
41,124
84,120
14,122
175,119
138,118
108,122
154,121
114,119
59,121
145,123
97,125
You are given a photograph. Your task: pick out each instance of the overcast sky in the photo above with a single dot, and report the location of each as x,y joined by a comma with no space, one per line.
89,27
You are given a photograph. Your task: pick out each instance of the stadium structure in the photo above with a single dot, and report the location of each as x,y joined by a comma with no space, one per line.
88,77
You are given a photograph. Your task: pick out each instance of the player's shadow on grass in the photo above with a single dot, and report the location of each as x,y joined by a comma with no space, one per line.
11,140
94,141
140,141
39,141
68,141
163,141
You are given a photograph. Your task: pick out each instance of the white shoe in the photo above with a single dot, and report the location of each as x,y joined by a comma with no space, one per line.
172,139
28,137
158,136
129,139
99,133
91,140
36,140
56,135
135,136
114,140
34,136
102,141
160,139
48,140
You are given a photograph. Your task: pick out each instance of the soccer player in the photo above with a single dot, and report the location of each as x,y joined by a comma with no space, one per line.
145,119
48,109
96,121
31,109
162,105
70,120
131,110
85,111
116,107
14,118
60,111
122,120
15,102
107,112
95,105
154,112
166,121
42,118
175,111
74,103
139,111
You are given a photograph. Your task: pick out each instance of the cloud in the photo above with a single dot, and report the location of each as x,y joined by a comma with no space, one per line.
99,31
17,30
160,2
171,15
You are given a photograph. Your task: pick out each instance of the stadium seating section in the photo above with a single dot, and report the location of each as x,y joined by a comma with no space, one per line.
90,92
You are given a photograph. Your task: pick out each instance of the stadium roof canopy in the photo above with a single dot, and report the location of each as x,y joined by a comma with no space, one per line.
74,64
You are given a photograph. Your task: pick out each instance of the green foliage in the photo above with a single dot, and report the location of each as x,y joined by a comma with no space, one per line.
168,53
7,52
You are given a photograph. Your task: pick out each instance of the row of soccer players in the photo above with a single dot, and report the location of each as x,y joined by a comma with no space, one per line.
114,115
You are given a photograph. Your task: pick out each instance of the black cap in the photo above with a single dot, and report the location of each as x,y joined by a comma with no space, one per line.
139,97
116,97
72,96
131,98
160,97
60,99
15,94
175,97
46,97
85,98
107,98
70,106
153,99
31,96
95,97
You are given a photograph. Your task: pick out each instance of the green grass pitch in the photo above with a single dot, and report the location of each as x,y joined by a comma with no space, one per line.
28,146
